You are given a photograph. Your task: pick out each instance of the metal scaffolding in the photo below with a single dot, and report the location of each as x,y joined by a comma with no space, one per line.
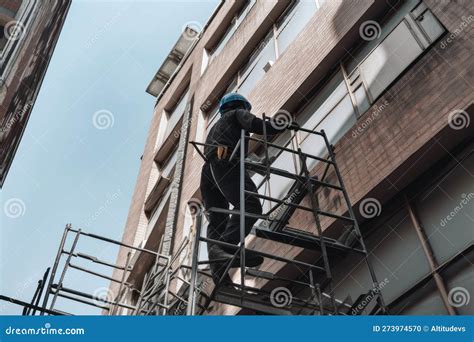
318,276
51,286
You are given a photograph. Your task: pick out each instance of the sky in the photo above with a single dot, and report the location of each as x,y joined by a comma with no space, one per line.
80,154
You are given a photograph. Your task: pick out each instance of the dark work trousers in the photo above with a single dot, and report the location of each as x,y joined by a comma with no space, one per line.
220,185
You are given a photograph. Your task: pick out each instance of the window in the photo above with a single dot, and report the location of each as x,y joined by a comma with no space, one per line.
200,130
446,210
168,167
277,186
3,38
332,110
212,117
403,38
234,24
275,42
158,216
426,300
254,70
9,13
354,86
460,274
293,21
342,98
176,114
396,252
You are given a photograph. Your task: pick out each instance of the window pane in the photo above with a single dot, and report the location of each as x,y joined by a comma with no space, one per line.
460,275
296,20
396,254
331,110
389,59
254,71
213,118
230,31
365,49
279,185
170,164
200,129
326,107
361,100
430,25
425,301
232,86
177,113
351,278
446,211
322,103
203,255
336,124
158,216
233,27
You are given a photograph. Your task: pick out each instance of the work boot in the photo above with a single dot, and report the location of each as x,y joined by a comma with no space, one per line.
252,259
217,271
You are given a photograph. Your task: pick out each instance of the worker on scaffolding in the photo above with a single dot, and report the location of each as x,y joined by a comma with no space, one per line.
220,181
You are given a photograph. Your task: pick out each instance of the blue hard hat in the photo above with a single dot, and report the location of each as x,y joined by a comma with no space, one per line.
233,97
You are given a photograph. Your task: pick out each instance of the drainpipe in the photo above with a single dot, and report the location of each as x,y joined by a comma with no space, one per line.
430,256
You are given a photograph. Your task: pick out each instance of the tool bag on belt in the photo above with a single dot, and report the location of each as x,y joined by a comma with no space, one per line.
217,152
222,152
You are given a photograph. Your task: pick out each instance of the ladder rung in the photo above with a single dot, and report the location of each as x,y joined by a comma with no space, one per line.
304,241
265,255
254,166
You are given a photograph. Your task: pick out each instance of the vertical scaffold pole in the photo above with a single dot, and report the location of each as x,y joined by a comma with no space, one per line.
380,299
55,268
242,212
66,266
194,267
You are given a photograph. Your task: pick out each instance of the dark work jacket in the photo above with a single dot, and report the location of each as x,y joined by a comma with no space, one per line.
228,128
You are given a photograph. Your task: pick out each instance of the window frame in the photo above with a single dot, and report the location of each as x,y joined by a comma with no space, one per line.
354,76
232,27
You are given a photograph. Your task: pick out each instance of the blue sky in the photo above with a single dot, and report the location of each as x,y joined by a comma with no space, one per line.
66,169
